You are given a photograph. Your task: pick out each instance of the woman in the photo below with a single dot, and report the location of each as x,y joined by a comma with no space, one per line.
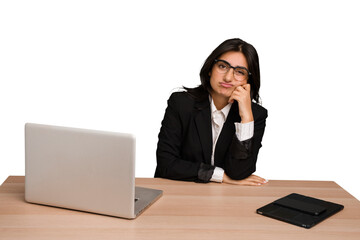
213,132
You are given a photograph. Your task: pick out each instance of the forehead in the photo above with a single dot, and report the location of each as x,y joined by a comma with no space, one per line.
236,59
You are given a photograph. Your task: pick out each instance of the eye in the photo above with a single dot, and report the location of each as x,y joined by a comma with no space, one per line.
240,71
222,65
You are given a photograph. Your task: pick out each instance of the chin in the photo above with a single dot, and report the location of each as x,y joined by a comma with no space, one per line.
223,92
226,93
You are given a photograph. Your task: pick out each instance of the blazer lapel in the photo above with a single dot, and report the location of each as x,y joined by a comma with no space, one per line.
226,135
203,124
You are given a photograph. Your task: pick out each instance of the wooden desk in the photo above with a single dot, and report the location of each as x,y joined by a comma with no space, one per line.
186,211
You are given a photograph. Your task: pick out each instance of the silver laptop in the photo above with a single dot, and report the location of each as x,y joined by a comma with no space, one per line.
87,170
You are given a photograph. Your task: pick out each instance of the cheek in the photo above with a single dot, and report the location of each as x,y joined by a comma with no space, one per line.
241,83
212,84
212,81
215,77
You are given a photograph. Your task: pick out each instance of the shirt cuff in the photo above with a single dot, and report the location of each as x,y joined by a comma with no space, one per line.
218,175
244,131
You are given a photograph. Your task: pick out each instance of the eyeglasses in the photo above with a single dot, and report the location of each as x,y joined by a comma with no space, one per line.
240,73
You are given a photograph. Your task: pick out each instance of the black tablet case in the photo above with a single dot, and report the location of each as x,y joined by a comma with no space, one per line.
300,210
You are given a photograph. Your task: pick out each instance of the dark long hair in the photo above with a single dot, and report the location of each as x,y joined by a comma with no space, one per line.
236,45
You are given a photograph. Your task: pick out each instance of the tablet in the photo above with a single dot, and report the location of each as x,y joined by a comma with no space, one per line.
300,210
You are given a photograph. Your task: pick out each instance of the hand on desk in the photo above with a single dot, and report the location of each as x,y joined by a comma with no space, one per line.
252,180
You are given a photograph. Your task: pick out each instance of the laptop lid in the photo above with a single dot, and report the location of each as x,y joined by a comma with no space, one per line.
80,169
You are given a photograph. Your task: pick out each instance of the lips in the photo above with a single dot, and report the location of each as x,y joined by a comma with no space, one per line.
226,85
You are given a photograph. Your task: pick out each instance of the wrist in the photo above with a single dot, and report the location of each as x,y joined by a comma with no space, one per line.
247,119
246,116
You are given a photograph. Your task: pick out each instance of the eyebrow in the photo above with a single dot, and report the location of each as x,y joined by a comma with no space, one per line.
231,65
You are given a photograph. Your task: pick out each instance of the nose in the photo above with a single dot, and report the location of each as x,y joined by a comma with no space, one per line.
229,75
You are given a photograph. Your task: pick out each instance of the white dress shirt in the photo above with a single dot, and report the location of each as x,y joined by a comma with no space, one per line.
243,132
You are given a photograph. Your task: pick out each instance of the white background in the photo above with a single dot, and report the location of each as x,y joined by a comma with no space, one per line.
111,65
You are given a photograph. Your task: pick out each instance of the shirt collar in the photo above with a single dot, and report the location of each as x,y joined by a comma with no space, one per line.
225,109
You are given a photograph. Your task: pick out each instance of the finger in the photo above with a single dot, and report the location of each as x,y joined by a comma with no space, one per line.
233,96
231,99
247,87
261,180
251,183
256,182
238,92
243,183
257,179
240,89
253,176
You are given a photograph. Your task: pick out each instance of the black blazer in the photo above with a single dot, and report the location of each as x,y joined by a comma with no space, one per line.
185,141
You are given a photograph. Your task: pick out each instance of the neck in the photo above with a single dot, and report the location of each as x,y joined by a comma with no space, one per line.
219,101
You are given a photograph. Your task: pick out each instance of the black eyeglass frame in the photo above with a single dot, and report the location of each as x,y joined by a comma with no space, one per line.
220,60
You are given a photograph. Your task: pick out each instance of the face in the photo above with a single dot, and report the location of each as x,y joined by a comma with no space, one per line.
223,84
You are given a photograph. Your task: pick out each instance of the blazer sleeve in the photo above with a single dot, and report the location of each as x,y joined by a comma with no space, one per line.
168,154
241,160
